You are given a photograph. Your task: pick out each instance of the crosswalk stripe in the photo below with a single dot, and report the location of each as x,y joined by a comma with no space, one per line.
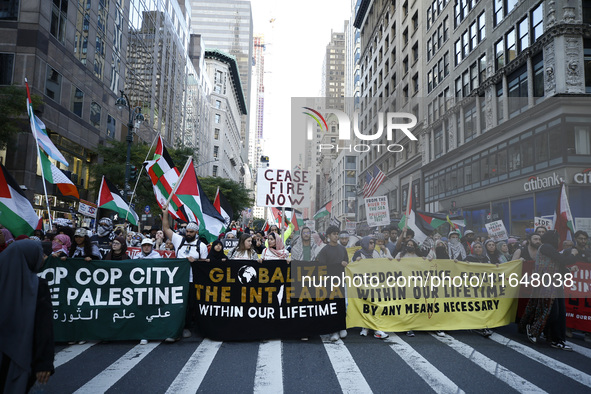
70,353
549,362
269,371
431,375
192,374
497,370
348,374
585,351
111,375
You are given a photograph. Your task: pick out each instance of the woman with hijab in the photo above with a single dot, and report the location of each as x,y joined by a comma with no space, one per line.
6,239
118,250
26,319
493,254
367,250
478,254
504,254
411,249
244,250
276,249
60,245
455,249
441,250
160,242
216,254
545,311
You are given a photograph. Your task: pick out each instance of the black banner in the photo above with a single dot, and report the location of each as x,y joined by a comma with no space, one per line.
246,300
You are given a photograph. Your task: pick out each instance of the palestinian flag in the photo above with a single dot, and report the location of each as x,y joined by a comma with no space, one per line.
16,212
190,193
54,175
164,175
324,211
416,222
110,198
426,222
40,132
223,207
563,219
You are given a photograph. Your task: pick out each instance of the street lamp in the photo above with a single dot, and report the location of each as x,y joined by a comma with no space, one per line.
135,114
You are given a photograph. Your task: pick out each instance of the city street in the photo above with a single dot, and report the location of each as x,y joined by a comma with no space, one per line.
463,361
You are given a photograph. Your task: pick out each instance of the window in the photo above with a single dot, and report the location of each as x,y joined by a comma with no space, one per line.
555,145
514,155
470,121
216,134
482,68
579,141
216,150
429,49
482,104
466,83
473,76
9,10
537,25
458,52
405,37
215,171
541,146
95,115
473,36
523,34
497,12
110,126
415,22
415,83
481,27
415,52
217,118
465,44
538,66
510,45
517,87
405,64
76,101
499,55
218,104
445,64
438,142
430,81
59,18
6,68
53,84
445,29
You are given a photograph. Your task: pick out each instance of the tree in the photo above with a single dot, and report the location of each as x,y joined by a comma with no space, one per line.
13,113
236,194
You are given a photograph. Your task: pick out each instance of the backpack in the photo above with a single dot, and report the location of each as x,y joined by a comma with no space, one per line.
197,245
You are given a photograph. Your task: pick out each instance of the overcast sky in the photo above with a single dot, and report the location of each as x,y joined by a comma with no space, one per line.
296,42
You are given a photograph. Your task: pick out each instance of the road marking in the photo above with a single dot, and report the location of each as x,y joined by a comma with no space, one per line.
549,362
70,353
585,351
497,370
192,374
268,377
431,375
111,375
348,374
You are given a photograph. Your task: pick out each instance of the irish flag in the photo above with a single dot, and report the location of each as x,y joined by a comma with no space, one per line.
190,193
563,219
54,175
324,211
109,198
16,212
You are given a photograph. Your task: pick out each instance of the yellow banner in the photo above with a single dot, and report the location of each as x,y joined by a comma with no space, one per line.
417,294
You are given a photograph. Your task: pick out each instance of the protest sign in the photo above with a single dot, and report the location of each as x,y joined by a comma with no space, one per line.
541,222
116,300
283,188
244,300
407,295
497,231
377,211
87,208
133,251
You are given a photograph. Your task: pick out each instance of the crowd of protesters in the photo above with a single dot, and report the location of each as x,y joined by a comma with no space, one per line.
21,259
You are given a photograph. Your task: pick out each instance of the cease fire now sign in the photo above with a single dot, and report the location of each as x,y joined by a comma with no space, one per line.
283,188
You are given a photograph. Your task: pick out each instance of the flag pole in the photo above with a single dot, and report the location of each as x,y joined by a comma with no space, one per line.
176,186
408,201
140,173
32,119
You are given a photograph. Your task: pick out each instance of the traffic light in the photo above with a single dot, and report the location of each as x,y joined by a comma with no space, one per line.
132,173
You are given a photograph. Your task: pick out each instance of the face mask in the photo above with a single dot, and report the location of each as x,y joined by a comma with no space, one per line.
410,249
440,249
454,241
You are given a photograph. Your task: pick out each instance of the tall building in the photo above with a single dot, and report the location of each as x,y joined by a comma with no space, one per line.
226,25
500,89
228,105
257,104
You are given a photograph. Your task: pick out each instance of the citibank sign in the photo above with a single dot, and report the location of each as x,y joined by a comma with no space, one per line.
583,177
536,183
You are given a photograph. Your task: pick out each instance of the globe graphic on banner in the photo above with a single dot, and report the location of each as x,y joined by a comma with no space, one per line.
247,274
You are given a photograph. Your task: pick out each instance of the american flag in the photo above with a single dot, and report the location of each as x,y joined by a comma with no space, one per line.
373,181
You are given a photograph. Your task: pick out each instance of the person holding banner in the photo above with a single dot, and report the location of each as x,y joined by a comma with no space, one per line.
147,251
118,250
494,256
455,250
244,250
191,248
216,253
83,248
546,310
276,249
504,254
530,250
478,254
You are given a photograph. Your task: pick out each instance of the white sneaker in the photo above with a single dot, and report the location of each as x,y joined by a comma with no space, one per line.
343,333
363,332
186,333
334,337
171,340
440,333
380,334
144,342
